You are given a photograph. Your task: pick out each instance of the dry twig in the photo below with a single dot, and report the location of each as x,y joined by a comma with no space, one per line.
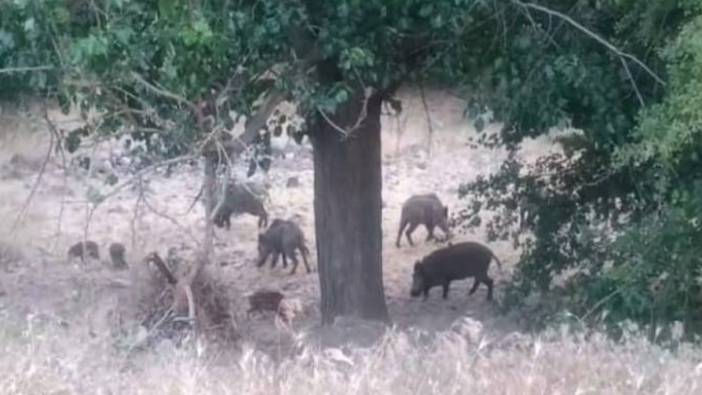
428,116
42,170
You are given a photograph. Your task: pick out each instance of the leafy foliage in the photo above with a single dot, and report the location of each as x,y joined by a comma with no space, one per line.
613,224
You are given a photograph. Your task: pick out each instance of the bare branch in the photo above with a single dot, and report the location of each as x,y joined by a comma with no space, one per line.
592,35
146,170
165,93
161,266
333,124
12,70
428,116
89,217
255,123
170,219
28,201
136,216
633,82
197,197
362,115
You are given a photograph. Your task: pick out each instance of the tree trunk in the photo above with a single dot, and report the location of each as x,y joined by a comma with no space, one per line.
209,200
347,206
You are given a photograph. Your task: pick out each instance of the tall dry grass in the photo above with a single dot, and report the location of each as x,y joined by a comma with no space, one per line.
49,360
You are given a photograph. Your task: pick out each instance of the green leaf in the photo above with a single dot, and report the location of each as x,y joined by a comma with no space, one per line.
426,10
341,96
437,21
29,25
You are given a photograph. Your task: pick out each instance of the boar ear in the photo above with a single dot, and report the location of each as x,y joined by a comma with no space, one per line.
417,266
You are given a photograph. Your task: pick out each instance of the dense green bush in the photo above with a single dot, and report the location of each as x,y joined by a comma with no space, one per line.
614,225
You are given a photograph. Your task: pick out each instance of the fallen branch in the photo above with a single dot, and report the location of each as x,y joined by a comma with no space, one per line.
161,266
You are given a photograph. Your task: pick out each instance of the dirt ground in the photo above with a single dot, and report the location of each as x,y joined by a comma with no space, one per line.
37,279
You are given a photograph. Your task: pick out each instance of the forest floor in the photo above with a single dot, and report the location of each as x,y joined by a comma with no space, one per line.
80,310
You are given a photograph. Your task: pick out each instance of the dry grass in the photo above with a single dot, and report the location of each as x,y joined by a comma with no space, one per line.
41,359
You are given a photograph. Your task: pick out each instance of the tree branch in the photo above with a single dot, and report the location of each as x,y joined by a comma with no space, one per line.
633,82
592,35
253,124
40,176
163,92
428,116
11,70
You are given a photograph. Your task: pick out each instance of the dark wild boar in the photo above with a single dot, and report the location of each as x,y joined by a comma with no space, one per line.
426,210
80,249
240,199
264,300
117,252
455,262
282,237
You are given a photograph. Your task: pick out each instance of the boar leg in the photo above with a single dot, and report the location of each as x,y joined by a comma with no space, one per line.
276,255
293,256
409,232
430,232
403,224
251,311
285,260
262,221
446,288
426,293
475,286
262,260
488,281
304,259
446,230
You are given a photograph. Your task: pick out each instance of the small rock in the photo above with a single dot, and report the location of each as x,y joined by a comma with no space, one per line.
293,182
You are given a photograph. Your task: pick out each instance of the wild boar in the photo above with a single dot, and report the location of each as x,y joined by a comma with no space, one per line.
282,237
455,262
80,249
240,199
424,209
117,252
263,300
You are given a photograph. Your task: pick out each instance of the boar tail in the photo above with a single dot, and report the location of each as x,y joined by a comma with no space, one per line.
304,249
499,264
403,224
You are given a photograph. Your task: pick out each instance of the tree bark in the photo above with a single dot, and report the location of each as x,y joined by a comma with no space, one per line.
209,198
347,205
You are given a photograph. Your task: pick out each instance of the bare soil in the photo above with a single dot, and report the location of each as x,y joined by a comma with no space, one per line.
42,281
